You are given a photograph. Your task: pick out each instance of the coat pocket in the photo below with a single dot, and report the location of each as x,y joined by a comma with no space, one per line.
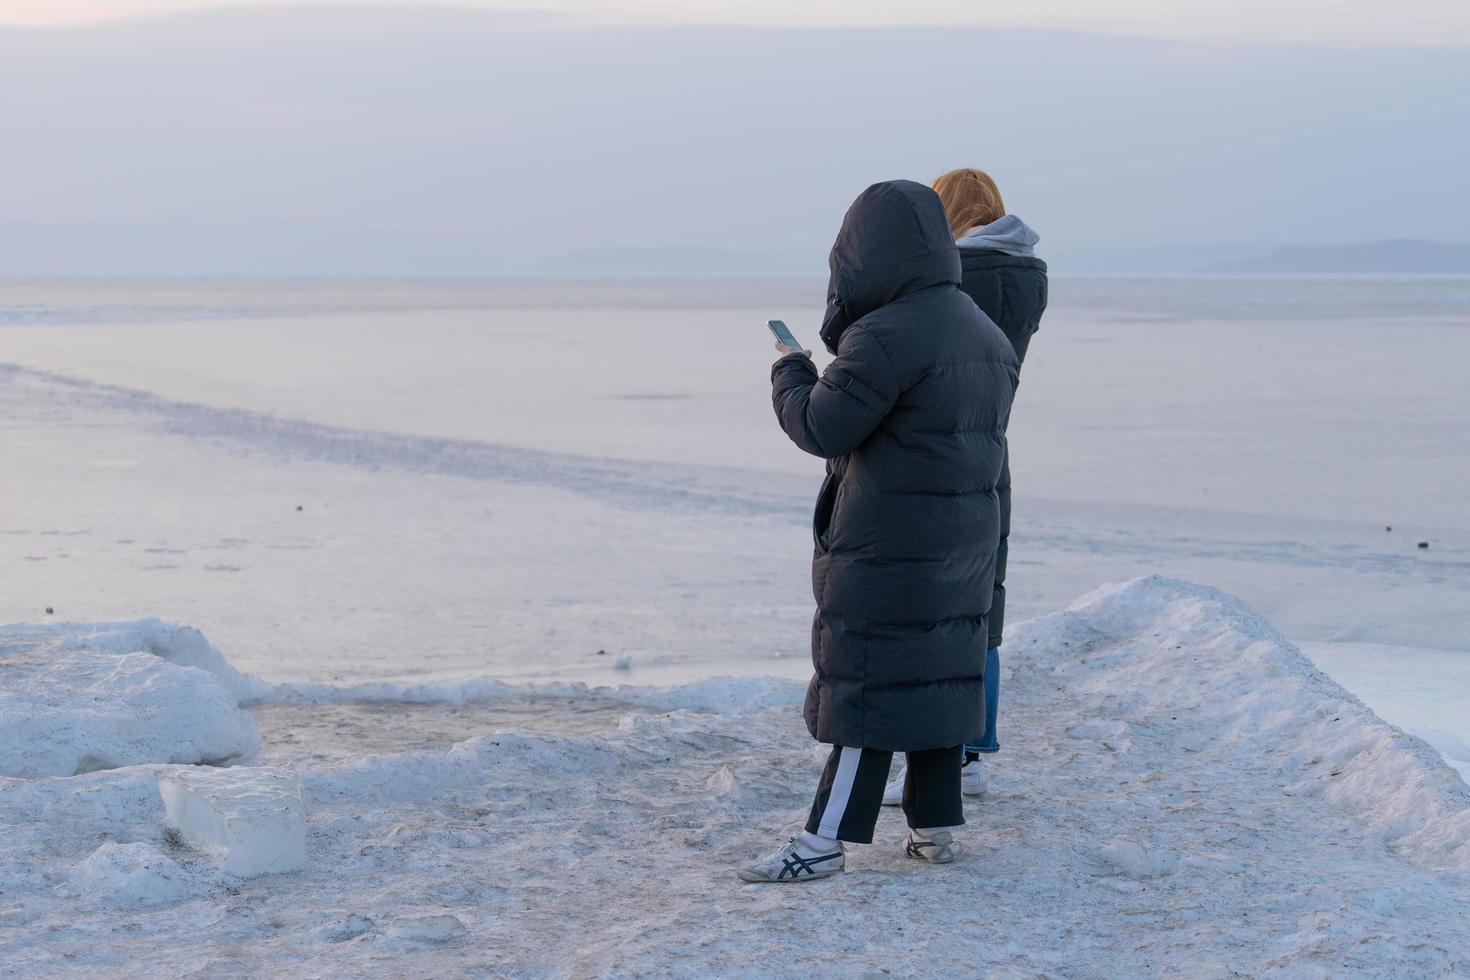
822,517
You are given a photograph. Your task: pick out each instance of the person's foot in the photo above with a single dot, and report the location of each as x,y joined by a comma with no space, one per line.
794,861
972,777
893,792
936,847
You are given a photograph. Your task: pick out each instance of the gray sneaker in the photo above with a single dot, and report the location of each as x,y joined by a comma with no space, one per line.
940,848
794,861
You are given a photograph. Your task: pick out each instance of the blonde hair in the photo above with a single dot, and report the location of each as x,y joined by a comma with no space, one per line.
970,198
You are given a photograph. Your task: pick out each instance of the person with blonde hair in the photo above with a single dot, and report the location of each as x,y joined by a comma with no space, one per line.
1002,274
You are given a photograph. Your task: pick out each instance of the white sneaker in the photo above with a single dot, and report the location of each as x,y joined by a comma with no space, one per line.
893,792
972,778
938,848
794,861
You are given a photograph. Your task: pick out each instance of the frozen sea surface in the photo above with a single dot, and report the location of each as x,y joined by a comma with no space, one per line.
536,481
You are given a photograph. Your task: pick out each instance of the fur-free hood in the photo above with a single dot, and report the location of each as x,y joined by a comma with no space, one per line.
894,240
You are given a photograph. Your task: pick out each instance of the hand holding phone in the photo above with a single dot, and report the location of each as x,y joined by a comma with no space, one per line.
786,342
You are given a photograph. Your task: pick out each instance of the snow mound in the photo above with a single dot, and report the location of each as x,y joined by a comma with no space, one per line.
132,875
183,646
68,706
1157,648
251,820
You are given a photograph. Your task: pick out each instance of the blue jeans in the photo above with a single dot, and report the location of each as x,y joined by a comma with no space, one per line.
988,741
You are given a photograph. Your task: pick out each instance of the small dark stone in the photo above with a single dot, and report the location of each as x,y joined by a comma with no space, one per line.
1423,544
298,506
50,611
1388,527
602,653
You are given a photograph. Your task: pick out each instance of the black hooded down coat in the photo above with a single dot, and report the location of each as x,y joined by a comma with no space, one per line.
1011,290
911,417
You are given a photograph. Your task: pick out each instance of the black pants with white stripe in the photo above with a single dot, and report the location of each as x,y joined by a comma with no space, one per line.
851,792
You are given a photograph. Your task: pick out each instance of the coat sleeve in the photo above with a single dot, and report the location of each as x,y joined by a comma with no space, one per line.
831,415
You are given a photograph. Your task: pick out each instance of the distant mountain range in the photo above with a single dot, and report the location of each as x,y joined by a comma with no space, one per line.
1404,256
676,262
1396,257
1262,258
172,249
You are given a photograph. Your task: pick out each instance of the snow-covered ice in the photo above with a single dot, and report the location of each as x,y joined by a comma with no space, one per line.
1207,660
252,820
79,698
1181,793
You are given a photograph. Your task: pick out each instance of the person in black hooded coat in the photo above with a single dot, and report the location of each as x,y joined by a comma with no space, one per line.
910,416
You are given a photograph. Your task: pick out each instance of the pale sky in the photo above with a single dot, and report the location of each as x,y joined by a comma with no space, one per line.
403,139
1369,23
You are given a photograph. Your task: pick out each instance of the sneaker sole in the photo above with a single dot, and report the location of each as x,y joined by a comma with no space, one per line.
753,879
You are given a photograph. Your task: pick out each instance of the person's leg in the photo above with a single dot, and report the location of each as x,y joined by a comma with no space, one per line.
851,793
973,781
845,809
931,793
932,804
989,742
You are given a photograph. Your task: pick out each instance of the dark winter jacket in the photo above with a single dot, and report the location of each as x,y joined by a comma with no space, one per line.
1011,289
911,417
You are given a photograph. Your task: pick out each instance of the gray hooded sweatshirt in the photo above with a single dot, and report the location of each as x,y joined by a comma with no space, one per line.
1009,234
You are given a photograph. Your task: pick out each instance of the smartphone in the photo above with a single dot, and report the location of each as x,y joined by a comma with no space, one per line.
782,335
